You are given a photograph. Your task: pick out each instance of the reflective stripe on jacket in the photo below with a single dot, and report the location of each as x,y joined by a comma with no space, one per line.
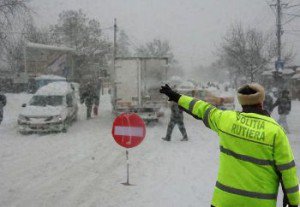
255,155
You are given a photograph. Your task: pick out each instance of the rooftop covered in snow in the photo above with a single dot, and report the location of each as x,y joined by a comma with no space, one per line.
56,89
49,47
50,77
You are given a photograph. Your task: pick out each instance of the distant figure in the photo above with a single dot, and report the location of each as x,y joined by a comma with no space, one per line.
2,104
176,118
284,107
89,96
97,90
268,103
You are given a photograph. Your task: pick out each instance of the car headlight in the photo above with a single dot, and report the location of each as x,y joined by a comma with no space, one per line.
23,118
57,118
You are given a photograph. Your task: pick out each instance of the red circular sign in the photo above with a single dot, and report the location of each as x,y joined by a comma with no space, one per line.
128,130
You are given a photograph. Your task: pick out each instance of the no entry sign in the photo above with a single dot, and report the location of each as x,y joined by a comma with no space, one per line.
128,130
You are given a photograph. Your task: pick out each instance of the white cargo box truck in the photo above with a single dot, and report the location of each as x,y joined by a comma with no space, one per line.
136,84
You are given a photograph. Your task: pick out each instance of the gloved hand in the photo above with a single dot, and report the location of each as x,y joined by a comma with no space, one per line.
173,96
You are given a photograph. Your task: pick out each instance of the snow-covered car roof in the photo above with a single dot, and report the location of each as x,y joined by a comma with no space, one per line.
288,71
50,77
296,76
56,88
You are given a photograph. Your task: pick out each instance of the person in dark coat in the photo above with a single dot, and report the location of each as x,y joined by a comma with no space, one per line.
2,104
89,96
176,118
284,107
97,89
268,103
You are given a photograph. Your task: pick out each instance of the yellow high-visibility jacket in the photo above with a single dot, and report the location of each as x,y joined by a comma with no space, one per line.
255,156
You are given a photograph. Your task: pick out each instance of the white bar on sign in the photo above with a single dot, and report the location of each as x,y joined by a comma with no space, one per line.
129,131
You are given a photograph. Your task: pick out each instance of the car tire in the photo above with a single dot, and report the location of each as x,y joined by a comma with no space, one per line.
23,132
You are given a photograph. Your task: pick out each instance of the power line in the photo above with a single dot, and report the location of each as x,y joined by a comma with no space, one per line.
294,15
295,5
294,34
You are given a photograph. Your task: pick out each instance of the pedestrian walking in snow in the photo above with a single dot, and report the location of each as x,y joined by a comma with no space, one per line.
89,96
98,89
176,118
268,103
255,154
2,104
284,107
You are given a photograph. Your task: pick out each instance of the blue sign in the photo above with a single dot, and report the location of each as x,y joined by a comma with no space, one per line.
279,64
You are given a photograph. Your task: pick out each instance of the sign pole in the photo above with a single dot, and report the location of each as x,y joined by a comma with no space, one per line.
127,165
127,161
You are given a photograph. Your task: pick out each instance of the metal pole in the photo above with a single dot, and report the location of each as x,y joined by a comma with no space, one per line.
279,30
25,58
115,43
127,160
114,65
127,163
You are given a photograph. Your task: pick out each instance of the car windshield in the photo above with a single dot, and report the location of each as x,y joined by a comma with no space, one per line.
46,100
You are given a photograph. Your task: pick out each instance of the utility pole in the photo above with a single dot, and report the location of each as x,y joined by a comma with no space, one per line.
115,44
279,29
279,63
279,5
114,64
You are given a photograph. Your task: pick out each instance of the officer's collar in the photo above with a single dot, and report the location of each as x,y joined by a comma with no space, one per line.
257,109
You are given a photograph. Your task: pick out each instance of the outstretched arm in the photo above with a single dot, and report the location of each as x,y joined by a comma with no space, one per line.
197,108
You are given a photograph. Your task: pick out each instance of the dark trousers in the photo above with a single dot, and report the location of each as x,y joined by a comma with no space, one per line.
88,111
171,125
1,115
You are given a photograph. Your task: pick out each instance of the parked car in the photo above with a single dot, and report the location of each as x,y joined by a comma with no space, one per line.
52,108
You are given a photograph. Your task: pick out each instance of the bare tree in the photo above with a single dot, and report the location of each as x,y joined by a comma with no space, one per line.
156,48
123,44
161,48
246,53
12,16
74,29
9,11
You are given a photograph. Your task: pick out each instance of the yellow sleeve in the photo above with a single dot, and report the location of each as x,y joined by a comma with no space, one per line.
201,110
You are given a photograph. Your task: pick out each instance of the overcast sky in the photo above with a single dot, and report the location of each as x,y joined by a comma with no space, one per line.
193,27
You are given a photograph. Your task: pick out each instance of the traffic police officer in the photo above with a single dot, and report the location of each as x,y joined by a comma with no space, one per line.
255,154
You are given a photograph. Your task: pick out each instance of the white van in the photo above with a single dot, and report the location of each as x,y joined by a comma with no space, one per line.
52,108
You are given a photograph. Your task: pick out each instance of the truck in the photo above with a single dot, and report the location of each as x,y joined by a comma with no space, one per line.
135,86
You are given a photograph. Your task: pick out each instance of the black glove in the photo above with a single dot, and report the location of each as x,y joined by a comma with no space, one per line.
173,96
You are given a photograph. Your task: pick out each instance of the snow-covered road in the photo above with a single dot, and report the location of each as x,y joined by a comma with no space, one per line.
85,167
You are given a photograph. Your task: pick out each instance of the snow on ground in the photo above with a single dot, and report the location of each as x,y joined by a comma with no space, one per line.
85,167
